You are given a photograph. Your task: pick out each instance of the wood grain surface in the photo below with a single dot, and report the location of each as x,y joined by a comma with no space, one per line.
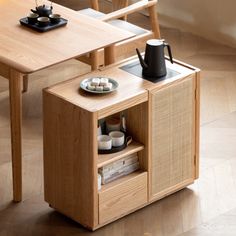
28,51
70,166
15,82
201,209
123,197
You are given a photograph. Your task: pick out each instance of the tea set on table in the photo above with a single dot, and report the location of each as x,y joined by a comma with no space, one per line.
42,18
43,15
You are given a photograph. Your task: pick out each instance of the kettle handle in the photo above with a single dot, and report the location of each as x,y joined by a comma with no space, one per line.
169,51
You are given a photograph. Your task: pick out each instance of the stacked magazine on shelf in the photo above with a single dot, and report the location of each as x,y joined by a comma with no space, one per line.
119,168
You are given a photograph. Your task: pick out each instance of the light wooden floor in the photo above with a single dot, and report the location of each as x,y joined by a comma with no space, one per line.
208,207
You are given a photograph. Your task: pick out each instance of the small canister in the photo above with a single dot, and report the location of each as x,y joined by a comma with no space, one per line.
113,124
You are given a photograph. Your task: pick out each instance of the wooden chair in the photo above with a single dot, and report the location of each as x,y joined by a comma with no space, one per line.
118,18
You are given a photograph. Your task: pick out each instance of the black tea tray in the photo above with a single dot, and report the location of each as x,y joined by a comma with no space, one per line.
128,140
51,26
113,150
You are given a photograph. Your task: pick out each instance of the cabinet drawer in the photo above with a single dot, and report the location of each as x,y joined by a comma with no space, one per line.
123,197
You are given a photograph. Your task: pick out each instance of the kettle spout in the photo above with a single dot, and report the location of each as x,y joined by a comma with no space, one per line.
142,62
34,11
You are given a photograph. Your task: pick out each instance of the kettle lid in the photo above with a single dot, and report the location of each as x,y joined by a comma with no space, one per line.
155,42
43,7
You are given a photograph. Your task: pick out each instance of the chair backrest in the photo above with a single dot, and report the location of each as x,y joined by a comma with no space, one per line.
127,47
119,4
123,10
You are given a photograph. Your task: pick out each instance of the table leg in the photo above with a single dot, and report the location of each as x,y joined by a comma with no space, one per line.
109,55
15,82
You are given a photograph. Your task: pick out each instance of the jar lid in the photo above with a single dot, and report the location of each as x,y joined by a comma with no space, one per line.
113,121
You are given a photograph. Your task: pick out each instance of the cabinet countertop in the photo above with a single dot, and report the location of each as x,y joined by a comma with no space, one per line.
130,86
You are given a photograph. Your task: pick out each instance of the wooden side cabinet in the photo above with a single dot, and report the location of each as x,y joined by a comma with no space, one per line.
163,120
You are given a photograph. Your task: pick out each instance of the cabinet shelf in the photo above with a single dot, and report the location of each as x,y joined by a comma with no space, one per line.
104,159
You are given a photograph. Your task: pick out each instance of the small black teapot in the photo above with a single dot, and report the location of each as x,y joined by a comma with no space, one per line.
43,10
153,63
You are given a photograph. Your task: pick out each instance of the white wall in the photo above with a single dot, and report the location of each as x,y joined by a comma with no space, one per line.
213,19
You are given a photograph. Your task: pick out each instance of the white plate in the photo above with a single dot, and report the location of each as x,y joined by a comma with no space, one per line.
83,85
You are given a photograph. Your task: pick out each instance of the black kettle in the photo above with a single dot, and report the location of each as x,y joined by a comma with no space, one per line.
154,60
43,10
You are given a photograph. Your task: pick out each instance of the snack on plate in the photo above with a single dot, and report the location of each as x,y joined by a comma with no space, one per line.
99,88
104,81
95,81
90,87
99,84
107,87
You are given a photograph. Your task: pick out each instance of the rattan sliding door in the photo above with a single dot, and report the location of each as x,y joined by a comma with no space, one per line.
172,137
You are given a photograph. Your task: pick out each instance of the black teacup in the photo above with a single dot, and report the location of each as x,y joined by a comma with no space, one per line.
32,18
43,21
55,18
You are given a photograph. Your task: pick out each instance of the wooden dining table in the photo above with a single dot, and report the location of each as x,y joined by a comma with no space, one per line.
24,51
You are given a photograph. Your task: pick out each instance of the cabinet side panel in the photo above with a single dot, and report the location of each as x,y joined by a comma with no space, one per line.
197,124
137,126
69,160
172,147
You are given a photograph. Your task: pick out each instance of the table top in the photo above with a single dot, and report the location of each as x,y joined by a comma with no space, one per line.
28,51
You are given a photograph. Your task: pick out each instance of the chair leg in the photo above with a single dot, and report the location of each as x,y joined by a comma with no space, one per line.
25,83
154,21
94,4
94,60
109,55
